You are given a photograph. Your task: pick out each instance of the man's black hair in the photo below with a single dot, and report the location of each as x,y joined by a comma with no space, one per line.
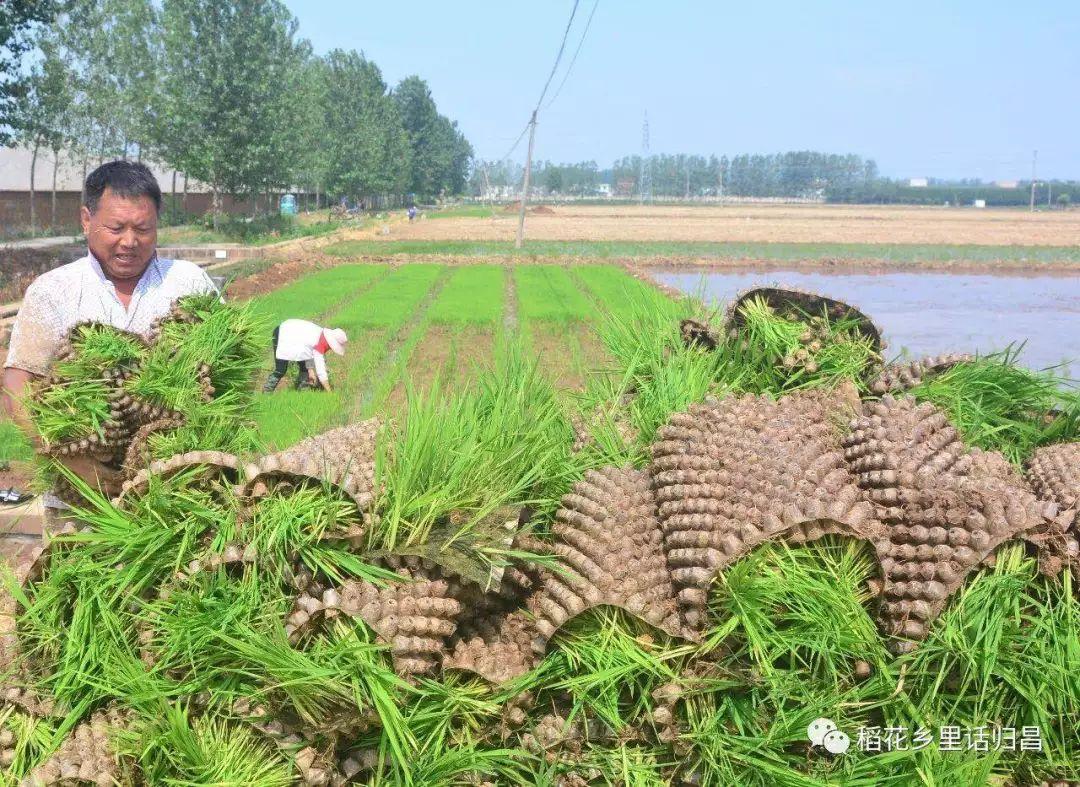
125,179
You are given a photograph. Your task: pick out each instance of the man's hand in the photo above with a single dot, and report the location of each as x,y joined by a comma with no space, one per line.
95,473
16,386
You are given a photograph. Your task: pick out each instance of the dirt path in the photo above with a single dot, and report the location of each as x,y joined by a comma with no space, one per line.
510,303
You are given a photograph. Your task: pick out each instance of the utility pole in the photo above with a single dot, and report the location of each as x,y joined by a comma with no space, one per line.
1034,159
645,176
525,190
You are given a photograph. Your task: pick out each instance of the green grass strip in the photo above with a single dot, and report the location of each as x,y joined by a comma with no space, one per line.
548,293
717,250
620,293
14,445
473,296
317,293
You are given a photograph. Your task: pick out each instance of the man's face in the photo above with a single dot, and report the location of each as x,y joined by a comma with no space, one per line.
121,234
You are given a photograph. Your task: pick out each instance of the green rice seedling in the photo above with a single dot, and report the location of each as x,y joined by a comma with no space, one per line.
445,712
298,524
173,749
626,765
773,354
32,740
464,764
1002,654
503,442
315,294
620,293
224,338
547,293
472,296
98,348
998,405
66,411
800,610
655,375
609,664
157,532
14,445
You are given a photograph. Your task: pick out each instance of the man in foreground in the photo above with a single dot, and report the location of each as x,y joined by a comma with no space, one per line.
305,343
120,282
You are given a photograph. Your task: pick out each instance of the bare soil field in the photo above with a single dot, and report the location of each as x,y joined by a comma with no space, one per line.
763,223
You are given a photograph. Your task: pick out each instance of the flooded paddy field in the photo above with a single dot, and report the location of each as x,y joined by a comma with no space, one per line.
924,313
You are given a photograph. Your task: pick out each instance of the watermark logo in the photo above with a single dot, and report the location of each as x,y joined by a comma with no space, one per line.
823,732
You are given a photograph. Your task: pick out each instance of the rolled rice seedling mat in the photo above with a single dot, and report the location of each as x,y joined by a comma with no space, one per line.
415,617
899,377
137,456
606,533
214,463
343,458
1054,473
86,756
946,509
798,304
734,474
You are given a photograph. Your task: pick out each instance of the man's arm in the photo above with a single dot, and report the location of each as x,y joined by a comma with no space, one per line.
320,370
16,387
16,384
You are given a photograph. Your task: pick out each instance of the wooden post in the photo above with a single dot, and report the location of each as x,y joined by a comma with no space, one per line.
525,190
33,166
1034,159
56,166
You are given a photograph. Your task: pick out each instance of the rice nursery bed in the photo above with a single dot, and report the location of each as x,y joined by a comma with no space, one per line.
749,553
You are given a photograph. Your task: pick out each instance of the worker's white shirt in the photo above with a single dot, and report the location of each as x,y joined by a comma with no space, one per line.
57,301
296,342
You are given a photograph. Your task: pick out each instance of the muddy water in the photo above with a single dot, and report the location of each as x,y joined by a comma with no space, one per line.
930,313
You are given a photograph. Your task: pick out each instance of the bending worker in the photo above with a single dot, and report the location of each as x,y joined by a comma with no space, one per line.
306,343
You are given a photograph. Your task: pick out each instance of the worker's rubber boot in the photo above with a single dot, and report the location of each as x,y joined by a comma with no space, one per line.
272,382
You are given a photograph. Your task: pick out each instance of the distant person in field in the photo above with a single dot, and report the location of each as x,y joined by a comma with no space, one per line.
119,282
412,212
305,343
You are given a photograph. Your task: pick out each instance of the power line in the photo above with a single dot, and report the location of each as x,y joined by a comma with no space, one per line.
558,57
517,142
573,60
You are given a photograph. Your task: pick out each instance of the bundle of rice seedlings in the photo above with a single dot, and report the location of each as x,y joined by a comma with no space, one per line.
125,401
773,353
454,468
999,405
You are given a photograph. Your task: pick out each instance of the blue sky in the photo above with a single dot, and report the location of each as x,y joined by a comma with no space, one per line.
951,88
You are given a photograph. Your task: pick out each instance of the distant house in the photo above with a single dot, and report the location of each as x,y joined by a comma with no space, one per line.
70,173
603,189
1007,184
918,183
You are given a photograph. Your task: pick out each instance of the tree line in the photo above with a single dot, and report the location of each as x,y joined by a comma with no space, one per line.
883,191
223,91
794,175
804,174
